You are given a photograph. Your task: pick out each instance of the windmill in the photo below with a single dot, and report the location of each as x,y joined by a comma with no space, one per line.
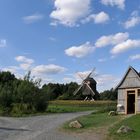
88,87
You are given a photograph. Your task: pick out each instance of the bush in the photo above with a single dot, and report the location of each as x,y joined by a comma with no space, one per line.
21,96
18,109
108,95
41,105
5,111
40,101
6,97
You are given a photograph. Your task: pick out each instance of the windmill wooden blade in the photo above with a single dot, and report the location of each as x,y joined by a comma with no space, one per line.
90,73
80,76
90,89
76,91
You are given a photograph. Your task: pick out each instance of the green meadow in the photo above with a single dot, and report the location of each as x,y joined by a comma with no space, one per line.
61,106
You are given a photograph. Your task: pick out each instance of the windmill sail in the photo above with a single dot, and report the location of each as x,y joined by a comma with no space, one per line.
93,93
76,91
90,73
88,85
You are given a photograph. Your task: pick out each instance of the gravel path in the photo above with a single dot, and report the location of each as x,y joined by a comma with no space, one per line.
39,127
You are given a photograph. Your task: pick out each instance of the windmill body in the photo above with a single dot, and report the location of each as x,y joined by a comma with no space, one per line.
92,83
88,88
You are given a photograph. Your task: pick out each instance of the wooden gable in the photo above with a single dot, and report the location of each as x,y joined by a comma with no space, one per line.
131,79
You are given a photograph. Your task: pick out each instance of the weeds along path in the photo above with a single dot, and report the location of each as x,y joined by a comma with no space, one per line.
38,127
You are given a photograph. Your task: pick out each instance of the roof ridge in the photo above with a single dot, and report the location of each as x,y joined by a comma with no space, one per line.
138,73
129,68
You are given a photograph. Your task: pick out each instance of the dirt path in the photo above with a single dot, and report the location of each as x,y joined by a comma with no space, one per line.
42,128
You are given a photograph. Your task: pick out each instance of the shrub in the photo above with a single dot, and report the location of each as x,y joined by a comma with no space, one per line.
19,109
40,101
5,97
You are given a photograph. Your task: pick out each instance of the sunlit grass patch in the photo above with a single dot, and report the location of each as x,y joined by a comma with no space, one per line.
94,121
133,122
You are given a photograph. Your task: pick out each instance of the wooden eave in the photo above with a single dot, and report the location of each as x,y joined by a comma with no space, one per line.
130,68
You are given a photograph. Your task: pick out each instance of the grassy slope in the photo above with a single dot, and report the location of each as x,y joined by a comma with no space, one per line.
133,122
99,120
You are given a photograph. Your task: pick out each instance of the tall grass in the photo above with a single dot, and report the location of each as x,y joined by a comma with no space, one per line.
60,106
82,103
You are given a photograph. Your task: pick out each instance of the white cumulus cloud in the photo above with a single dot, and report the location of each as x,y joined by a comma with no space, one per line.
119,3
25,66
68,80
135,57
24,59
126,45
69,12
80,51
3,43
133,20
32,18
11,69
111,39
14,70
25,63
101,17
80,76
106,81
47,69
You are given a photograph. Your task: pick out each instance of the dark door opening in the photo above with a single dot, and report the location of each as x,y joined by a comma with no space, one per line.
130,103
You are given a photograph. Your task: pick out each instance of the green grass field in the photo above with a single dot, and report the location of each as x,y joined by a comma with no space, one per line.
67,106
67,109
94,121
99,121
133,122
61,106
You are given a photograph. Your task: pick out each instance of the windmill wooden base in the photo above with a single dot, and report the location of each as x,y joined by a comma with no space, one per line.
88,99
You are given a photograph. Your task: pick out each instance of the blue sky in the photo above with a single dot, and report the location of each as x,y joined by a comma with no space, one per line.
58,39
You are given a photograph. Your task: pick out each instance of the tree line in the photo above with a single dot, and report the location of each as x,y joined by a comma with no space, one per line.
26,96
65,92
